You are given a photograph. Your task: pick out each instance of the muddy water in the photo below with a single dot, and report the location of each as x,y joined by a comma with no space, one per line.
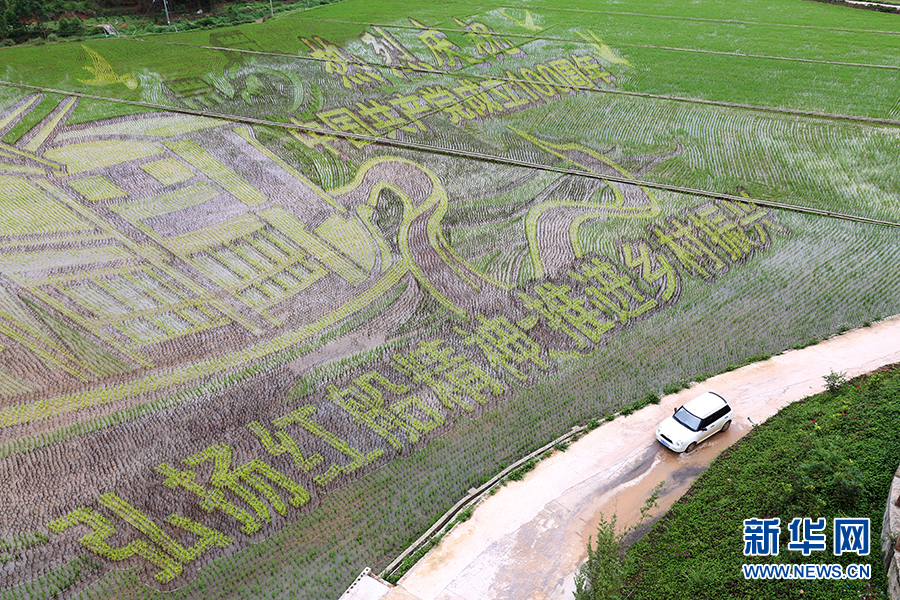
627,497
678,471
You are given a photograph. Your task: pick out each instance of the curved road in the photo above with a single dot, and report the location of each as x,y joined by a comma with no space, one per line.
527,541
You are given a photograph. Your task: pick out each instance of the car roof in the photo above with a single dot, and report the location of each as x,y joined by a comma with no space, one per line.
704,405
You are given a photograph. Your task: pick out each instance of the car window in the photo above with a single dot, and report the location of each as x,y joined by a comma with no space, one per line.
690,421
718,414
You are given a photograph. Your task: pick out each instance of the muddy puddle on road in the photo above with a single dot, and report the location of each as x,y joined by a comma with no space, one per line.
626,499
677,470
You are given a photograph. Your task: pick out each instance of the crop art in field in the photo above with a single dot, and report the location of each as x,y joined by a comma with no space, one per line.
175,289
129,250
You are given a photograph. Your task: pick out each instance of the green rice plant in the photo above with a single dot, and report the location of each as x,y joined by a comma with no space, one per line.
56,581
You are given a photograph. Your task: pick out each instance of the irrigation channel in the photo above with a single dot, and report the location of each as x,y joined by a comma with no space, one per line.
528,539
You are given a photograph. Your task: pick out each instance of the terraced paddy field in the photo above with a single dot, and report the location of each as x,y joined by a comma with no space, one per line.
273,297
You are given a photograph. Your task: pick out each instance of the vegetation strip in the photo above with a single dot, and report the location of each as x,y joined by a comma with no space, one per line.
677,17
511,161
529,38
252,120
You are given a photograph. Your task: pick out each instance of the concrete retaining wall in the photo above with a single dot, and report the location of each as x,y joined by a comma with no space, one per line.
890,538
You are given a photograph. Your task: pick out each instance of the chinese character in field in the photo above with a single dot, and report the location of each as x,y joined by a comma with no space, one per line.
158,547
441,98
761,537
723,233
573,316
655,269
343,120
451,376
614,294
602,50
756,221
522,89
413,109
403,63
506,94
446,53
810,531
476,99
381,117
311,139
851,536
688,249
281,443
340,63
253,482
594,70
367,405
196,93
487,42
505,345
571,73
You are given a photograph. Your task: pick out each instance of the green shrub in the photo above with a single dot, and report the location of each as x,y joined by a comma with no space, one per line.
653,398
519,474
834,381
464,515
603,575
826,479
71,27
672,388
757,358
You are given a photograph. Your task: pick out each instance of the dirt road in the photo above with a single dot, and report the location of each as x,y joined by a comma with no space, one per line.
527,541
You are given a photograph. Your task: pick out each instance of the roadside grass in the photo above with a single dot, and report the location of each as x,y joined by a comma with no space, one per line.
829,455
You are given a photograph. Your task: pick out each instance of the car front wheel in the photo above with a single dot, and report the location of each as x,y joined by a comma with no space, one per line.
691,447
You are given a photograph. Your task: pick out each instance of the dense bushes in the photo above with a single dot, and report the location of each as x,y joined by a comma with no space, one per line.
71,27
23,20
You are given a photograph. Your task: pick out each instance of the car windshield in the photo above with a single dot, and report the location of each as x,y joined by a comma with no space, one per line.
690,421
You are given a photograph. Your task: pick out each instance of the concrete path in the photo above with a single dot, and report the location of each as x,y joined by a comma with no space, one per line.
527,541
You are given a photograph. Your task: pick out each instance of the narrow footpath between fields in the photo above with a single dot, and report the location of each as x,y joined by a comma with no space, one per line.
527,541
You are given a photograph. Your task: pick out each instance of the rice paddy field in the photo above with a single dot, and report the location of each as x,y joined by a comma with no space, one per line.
274,297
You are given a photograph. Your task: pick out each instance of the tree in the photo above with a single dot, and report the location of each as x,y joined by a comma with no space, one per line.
38,12
71,27
14,27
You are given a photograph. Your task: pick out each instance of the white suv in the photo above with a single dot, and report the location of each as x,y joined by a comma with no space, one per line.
694,422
